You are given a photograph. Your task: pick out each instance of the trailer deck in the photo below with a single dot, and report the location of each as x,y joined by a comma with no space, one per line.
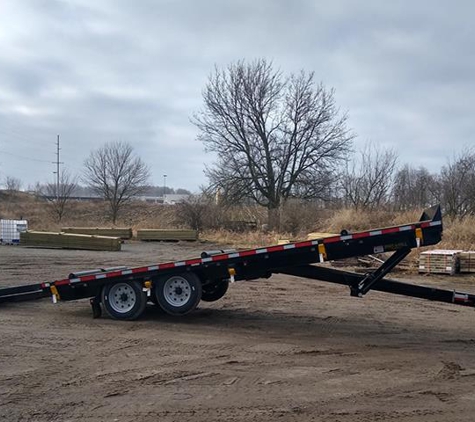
177,287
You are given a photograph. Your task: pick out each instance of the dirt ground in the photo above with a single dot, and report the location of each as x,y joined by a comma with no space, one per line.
278,349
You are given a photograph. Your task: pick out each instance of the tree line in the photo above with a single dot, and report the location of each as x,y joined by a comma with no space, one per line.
377,182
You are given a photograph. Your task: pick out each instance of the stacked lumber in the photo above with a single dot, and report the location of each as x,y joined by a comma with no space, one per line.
167,235
320,235
439,261
467,261
69,241
122,232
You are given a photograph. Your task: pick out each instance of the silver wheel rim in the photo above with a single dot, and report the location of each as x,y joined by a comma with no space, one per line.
177,291
122,298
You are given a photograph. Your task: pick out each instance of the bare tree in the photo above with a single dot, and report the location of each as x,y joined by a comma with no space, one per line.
457,184
414,188
117,174
367,180
38,190
59,195
275,137
195,211
12,185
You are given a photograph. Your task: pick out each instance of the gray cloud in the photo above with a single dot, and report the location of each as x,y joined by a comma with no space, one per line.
119,70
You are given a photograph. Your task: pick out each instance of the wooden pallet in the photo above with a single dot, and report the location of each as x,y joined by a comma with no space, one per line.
122,232
467,261
439,261
69,241
167,235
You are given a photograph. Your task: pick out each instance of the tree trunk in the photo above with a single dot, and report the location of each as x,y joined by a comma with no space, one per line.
114,213
273,213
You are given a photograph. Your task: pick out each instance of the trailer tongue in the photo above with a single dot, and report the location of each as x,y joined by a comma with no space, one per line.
178,287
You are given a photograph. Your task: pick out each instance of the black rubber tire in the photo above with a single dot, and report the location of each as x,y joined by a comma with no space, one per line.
215,291
178,294
133,308
153,298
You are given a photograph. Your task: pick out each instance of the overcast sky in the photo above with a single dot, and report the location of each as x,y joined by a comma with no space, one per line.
95,71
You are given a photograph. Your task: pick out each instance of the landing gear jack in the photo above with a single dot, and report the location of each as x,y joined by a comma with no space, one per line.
96,307
360,288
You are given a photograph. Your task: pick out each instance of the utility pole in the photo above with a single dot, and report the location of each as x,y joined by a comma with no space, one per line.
57,172
164,186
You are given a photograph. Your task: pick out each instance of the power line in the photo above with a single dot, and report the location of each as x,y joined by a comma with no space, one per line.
24,158
31,140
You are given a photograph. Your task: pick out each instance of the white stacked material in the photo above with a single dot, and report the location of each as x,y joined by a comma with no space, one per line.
10,231
467,261
439,261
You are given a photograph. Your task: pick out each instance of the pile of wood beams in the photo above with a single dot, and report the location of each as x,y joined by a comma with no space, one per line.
122,232
69,241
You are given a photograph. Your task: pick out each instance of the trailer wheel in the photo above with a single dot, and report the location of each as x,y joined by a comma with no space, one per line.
125,300
215,291
178,294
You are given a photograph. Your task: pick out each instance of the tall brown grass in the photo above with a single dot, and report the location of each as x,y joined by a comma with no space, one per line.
459,234
297,220
91,214
250,239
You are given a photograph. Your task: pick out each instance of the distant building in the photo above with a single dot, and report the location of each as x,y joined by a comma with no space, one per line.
150,199
169,199
175,198
76,198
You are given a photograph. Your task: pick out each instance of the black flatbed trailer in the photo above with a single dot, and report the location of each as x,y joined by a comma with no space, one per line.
178,287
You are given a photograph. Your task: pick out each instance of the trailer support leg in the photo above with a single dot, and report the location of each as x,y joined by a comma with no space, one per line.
359,289
96,307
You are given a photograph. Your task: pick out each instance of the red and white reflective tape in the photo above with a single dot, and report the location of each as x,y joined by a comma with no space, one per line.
243,254
461,297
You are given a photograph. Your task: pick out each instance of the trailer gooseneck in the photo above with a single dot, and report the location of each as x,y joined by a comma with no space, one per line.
178,287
